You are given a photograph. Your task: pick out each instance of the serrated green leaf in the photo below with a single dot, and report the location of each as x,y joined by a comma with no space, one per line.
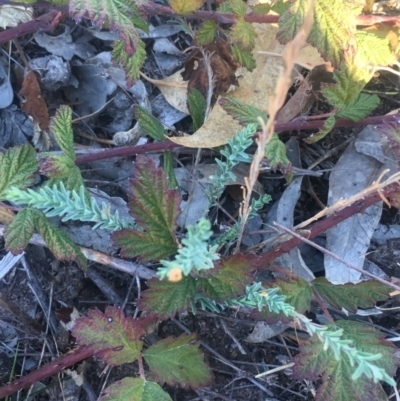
352,296
333,28
18,166
337,385
243,33
261,9
224,7
166,298
238,7
275,152
373,50
20,231
57,166
58,242
135,389
229,279
243,57
297,291
130,64
206,33
149,124
184,7
111,335
61,126
115,14
156,209
197,107
245,113
169,169
359,108
324,131
178,361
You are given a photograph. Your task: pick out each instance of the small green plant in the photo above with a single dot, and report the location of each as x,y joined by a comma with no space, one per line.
192,274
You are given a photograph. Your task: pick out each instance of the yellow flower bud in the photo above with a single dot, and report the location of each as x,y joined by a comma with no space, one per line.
175,274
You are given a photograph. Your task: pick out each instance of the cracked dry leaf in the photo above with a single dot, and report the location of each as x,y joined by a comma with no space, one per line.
255,88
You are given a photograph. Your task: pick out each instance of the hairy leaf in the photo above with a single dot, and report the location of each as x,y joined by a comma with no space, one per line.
115,14
169,170
149,124
229,279
333,26
197,107
178,361
297,291
359,107
352,296
58,242
18,166
243,33
130,64
165,298
61,126
245,113
238,7
113,337
243,57
206,33
156,209
20,231
275,152
324,131
337,385
186,6
135,389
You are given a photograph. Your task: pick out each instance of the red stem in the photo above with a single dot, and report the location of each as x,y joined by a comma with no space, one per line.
46,371
296,125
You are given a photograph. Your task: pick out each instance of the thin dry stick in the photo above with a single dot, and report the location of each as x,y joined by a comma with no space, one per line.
284,82
320,248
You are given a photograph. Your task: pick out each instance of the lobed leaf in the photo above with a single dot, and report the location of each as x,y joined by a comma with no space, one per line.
352,296
229,279
178,361
135,389
61,126
186,6
115,338
166,298
156,209
206,33
275,153
337,384
238,7
245,113
115,14
18,166
20,231
149,124
168,164
359,108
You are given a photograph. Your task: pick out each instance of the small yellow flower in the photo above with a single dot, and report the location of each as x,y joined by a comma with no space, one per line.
175,274
264,294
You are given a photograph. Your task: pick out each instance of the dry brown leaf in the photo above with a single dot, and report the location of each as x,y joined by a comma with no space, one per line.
174,89
6,215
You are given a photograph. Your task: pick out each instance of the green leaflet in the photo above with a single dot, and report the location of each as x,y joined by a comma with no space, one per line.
20,231
359,108
156,210
61,126
178,361
197,106
135,389
325,130
18,166
275,152
243,57
116,14
337,383
206,33
243,33
130,64
186,6
352,296
238,7
165,298
114,337
242,112
149,124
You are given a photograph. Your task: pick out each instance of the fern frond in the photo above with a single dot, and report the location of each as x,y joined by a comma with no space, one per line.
70,205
